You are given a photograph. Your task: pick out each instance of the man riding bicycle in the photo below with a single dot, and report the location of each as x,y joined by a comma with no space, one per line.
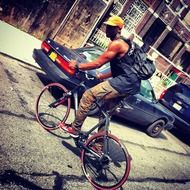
123,82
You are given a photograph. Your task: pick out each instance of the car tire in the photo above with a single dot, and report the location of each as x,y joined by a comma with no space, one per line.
155,128
93,110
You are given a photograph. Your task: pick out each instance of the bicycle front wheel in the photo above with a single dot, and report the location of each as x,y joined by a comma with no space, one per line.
52,107
111,168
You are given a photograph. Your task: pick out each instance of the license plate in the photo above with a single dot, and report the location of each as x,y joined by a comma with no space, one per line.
53,56
177,106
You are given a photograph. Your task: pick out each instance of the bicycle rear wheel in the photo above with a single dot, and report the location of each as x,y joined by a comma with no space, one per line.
111,169
52,107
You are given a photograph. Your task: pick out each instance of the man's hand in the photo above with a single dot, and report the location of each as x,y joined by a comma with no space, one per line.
72,64
98,75
102,76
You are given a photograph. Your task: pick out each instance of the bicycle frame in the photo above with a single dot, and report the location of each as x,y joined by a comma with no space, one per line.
86,134
106,121
74,93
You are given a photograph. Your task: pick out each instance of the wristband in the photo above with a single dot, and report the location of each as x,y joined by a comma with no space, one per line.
76,67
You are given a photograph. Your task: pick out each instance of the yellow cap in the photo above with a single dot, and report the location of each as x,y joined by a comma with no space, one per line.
115,21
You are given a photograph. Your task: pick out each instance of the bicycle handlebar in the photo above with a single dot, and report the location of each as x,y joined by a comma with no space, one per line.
87,75
78,71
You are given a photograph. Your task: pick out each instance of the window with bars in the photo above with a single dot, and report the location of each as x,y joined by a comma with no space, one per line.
134,13
117,8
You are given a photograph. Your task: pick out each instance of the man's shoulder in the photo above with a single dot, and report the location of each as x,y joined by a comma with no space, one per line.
120,42
126,40
115,44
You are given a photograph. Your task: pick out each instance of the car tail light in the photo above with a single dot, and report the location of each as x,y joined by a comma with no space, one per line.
65,65
162,94
45,46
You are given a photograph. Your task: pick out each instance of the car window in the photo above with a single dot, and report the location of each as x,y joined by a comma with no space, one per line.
90,54
147,91
180,88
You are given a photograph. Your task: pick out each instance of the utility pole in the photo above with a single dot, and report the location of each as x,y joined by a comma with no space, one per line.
98,20
65,19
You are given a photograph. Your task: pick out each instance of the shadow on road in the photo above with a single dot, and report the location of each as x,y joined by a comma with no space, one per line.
11,177
73,149
185,138
58,134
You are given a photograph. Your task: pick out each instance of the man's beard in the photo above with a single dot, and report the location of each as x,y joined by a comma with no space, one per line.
112,36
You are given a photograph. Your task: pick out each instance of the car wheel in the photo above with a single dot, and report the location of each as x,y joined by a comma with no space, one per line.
93,110
155,128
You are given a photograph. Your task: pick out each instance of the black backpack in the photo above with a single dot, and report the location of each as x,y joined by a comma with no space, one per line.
137,59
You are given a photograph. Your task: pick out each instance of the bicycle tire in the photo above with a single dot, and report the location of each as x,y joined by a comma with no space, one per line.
119,160
50,117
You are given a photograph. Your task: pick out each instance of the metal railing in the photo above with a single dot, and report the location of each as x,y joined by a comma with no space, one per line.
99,38
131,18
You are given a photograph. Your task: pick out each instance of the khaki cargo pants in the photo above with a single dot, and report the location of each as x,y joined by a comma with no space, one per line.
101,91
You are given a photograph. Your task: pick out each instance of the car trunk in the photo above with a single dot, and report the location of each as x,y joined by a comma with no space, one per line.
181,104
62,56
177,100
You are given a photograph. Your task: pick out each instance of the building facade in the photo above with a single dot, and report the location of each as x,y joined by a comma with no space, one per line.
163,28
165,31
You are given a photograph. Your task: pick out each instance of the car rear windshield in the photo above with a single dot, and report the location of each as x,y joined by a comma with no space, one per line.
90,54
181,88
186,91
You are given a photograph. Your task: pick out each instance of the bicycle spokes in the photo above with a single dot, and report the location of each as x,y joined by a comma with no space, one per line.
110,170
52,107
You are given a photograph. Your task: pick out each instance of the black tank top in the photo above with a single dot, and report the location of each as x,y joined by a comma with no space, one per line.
124,80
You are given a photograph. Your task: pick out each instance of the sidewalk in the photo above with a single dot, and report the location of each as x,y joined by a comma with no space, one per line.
17,44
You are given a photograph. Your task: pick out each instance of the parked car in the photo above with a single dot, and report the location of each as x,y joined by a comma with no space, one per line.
177,100
142,108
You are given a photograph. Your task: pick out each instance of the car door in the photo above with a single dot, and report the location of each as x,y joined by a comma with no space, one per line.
143,106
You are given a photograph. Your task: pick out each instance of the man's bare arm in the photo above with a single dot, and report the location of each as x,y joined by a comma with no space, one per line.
113,50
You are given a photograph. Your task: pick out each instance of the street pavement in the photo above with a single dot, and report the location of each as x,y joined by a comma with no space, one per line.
32,158
17,44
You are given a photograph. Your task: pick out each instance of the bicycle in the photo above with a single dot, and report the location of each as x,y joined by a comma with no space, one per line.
105,167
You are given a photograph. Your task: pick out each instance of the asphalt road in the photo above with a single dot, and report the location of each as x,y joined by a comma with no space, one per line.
32,158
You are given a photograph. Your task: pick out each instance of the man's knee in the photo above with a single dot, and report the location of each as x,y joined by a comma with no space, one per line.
88,96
